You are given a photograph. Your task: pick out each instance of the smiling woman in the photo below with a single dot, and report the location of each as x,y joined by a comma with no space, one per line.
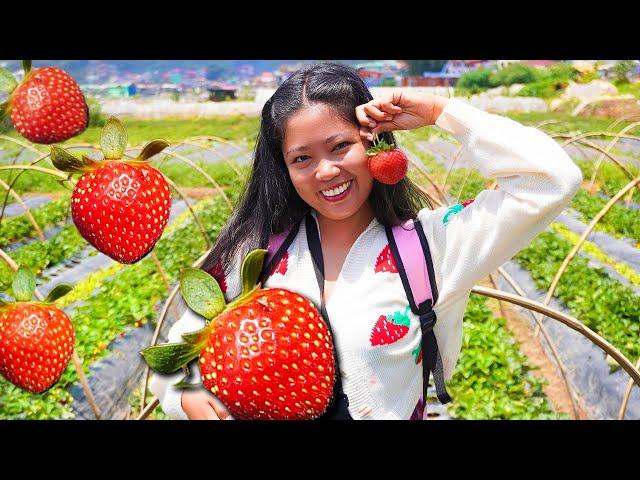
310,183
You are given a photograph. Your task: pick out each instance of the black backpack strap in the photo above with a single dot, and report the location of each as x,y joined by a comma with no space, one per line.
337,409
432,360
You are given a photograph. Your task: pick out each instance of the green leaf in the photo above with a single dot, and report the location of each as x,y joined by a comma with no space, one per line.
66,162
24,284
170,357
152,148
4,110
201,292
8,82
251,269
113,139
58,291
26,66
198,337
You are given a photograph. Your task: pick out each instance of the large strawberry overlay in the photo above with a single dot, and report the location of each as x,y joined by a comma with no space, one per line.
390,328
385,261
120,206
282,265
47,106
266,355
36,338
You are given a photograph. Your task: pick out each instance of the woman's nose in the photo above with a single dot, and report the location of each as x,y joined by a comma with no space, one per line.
327,170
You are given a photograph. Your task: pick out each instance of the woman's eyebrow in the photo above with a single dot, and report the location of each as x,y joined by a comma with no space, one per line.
329,139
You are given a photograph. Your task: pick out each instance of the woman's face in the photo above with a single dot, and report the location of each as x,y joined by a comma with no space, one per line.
324,153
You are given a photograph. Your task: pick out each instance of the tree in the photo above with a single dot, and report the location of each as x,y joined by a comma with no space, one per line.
622,69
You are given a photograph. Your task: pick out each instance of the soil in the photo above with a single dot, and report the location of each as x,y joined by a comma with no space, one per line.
555,389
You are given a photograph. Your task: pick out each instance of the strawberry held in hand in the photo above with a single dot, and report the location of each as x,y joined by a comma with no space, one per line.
387,164
267,355
119,206
47,106
36,338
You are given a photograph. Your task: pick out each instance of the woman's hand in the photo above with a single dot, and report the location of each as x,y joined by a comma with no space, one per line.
201,405
401,109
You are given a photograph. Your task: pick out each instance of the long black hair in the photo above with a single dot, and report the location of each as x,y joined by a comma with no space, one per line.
270,202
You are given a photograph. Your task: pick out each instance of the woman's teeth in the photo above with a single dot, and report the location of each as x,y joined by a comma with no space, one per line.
336,191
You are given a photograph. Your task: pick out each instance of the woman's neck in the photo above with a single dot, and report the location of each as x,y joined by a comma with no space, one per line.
345,232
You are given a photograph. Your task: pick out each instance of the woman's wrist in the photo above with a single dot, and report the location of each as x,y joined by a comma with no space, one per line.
438,103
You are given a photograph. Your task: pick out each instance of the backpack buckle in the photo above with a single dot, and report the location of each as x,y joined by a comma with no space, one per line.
427,321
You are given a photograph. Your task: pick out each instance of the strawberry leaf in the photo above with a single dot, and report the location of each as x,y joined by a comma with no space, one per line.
26,66
201,292
8,82
113,139
251,269
199,337
66,162
24,284
170,357
58,291
152,148
4,110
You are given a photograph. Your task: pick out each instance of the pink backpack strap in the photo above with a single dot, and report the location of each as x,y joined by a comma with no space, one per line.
416,258
411,253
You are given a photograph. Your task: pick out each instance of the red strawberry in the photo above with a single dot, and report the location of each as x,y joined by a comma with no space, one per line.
119,206
282,265
267,355
387,164
390,329
385,262
36,343
48,106
270,358
121,209
36,338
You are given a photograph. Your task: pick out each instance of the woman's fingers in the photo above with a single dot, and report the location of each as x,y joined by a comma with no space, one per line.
374,112
220,410
366,134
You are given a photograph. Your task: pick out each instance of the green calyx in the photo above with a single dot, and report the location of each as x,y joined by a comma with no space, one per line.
204,296
8,81
24,286
379,146
113,139
66,162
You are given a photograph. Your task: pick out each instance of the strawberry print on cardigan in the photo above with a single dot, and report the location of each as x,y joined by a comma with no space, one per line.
282,265
385,261
453,209
218,274
390,328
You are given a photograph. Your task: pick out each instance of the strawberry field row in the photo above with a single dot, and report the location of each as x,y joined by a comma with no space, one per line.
18,227
125,300
619,220
38,256
493,378
603,304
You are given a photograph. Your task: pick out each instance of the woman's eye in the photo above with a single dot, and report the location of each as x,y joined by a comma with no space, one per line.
301,157
341,145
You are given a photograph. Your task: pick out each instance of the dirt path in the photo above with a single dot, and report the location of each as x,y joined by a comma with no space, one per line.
555,390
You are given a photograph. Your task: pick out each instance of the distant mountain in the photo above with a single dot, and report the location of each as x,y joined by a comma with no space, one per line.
78,68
